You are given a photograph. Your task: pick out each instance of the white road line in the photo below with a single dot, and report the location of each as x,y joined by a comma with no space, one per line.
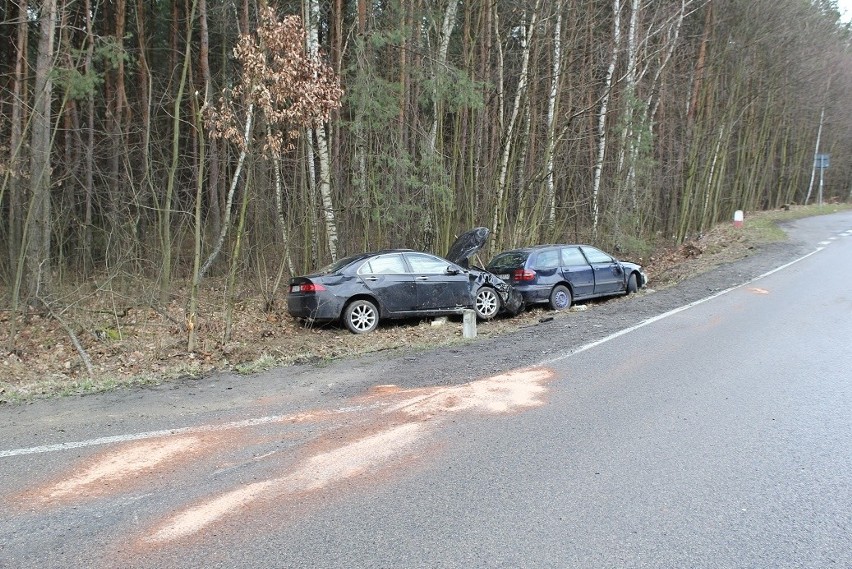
659,317
169,432
341,410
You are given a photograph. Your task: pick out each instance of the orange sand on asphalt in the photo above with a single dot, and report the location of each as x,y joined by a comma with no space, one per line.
119,465
513,391
510,392
758,290
313,474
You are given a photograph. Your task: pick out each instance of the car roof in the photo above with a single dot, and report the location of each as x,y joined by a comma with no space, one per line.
534,248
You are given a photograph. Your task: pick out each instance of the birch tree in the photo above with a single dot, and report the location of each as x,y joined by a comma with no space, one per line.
324,178
552,100
602,114
508,135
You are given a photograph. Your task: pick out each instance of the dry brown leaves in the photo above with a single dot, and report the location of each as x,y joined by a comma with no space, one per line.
129,340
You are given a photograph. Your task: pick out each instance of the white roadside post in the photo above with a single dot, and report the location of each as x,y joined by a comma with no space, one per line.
468,323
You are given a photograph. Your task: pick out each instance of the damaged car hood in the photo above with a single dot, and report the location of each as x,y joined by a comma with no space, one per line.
466,245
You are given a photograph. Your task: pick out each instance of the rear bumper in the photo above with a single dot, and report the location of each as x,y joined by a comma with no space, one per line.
314,306
534,294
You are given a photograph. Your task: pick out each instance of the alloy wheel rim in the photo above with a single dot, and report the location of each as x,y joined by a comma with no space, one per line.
363,318
486,303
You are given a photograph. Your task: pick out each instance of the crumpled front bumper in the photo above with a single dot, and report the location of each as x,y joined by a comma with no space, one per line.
513,302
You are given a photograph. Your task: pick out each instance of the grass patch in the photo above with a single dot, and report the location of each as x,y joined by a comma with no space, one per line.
761,228
263,363
65,387
764,227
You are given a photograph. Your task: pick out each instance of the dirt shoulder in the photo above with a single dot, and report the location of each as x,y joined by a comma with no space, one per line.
138,345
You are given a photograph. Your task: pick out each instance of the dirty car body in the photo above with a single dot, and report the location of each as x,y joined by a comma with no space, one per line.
401,283
559,274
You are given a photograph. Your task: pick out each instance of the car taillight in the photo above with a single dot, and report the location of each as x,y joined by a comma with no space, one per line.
307,287
523,275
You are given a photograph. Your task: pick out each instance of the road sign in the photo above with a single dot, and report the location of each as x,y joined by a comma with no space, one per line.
822,161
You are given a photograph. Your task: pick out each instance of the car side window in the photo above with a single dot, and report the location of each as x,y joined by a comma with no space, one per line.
547,259
571,256
384,265
596,255
427,264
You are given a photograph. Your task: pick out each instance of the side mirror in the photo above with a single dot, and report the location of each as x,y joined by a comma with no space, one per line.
451,270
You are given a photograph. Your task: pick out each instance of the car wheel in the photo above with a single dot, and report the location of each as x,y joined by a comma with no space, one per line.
361,316
521,307
632,284
560,298
487,303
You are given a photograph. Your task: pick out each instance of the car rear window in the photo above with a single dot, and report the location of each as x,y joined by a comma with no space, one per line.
572,256
508,261
547,259
338,265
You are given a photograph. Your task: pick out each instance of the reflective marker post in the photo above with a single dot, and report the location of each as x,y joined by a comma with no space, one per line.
822,161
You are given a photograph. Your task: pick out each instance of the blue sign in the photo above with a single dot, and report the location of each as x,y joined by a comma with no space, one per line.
822,161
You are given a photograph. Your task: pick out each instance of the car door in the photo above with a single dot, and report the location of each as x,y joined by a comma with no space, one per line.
437,288
547,271
577,271
388,278
609,276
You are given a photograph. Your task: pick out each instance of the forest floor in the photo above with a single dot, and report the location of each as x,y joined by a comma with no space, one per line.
133,344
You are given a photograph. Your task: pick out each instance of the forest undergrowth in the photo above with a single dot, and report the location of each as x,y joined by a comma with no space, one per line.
98,338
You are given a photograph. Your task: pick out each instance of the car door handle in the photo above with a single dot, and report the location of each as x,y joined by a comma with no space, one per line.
372,279
422,279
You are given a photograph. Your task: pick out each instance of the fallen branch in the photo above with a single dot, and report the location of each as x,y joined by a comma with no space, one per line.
87,361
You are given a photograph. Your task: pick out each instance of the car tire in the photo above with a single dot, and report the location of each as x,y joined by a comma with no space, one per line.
521,307
361,316
560,298
632,284
486,303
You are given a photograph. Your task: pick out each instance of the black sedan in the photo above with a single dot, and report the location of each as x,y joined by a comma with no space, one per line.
558,274
401,283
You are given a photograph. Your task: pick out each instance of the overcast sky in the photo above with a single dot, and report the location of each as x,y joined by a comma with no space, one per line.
845,7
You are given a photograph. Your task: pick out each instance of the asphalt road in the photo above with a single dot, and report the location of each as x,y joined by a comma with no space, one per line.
715,432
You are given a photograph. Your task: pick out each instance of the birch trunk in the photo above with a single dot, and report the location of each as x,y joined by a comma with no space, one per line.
523,81
551,119
441,63
602,139
628,151
323,162
192,312
226,222
204,68
816,153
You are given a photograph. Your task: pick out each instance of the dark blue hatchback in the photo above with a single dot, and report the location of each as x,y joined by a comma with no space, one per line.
559,274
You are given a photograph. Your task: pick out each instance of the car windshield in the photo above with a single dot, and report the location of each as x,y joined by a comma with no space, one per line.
507,261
